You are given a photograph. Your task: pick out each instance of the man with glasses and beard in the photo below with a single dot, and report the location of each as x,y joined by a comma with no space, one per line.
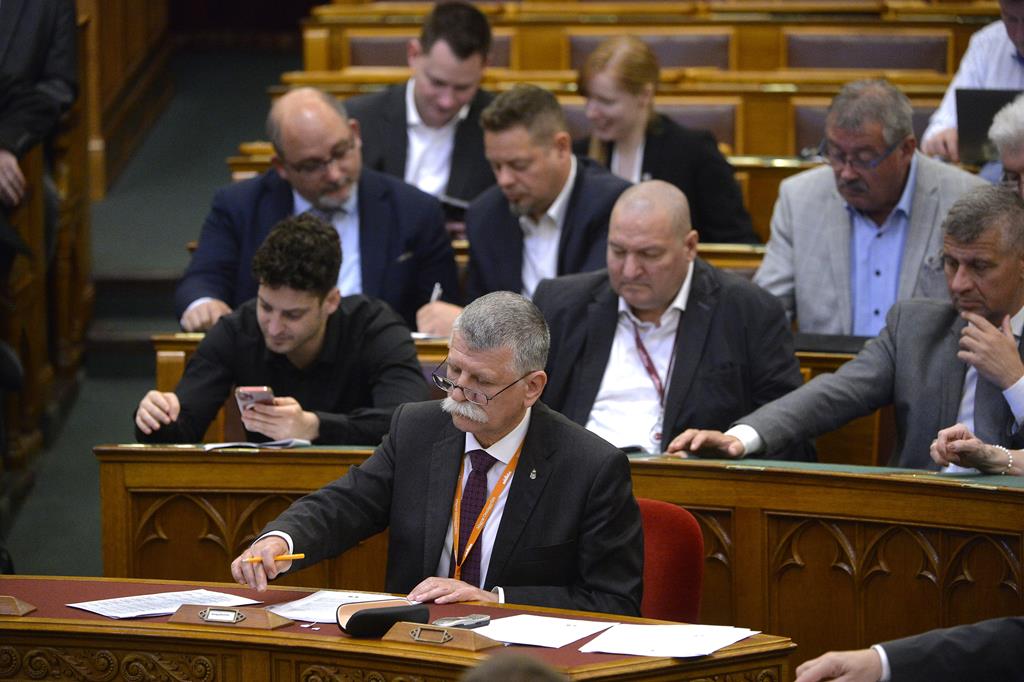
863,231
488,495
392,234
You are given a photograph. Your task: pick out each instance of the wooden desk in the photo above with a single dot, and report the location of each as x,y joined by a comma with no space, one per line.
57,641
832,557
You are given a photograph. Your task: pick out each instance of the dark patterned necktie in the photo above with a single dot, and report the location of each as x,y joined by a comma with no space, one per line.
473,497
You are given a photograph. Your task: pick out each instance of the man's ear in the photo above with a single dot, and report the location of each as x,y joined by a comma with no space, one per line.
413,50
535,384
278,165
331,301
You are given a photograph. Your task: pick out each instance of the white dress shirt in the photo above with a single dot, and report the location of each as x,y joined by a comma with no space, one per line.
990,62
633,174
627,410
346,224
428,160
752,441
541,238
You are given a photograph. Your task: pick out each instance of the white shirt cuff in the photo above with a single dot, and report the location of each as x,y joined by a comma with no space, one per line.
886,672
750,439
1015,399
500,592
280,534
198,302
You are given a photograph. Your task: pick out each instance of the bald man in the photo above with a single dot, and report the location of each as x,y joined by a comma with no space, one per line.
661,340
393,243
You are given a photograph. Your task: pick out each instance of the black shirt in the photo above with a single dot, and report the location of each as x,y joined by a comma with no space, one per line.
366,368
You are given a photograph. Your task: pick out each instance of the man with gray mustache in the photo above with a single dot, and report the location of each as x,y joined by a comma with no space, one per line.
852,237
487,495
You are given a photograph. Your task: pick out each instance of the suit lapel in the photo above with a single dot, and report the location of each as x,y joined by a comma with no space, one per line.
602,321
396,129
506,247
576,215
953,376
374,233
467,150
837,243
694,324
924,220
10,11
531,478
445,460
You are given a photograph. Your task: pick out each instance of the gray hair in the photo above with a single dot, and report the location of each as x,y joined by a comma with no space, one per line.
503,319
274,116
1007,130
985,208
879,101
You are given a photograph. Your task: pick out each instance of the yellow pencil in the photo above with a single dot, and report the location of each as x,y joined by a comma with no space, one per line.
279,557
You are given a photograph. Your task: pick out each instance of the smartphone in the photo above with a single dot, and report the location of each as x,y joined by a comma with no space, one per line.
247,396
473,620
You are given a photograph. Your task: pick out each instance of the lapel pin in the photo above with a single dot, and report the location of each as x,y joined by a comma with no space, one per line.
533,474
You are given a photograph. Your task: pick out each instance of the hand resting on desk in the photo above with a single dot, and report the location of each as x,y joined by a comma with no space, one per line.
706,443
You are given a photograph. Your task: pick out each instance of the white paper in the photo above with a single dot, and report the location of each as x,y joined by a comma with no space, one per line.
159,604
540,630
273,444
322,606
676,641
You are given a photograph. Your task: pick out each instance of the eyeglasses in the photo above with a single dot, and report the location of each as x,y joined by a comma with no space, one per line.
861,161
1011,181
472,395
319,166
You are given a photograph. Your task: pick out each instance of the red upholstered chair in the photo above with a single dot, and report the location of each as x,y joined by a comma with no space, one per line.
673,562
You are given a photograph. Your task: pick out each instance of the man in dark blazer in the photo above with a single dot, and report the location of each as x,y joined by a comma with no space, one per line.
565,532
403,250
720,346
37,44
437,112
937,363
987,650
548,215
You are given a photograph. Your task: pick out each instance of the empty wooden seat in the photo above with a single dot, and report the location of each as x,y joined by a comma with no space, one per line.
674,46
388,46
808,121
862,48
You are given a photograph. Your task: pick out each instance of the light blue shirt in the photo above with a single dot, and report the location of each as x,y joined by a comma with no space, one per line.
990,62
876,253
346,223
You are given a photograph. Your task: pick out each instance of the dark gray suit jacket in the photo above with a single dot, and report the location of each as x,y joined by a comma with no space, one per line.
911,364
989,650
734,350
384,131
569,537
37,43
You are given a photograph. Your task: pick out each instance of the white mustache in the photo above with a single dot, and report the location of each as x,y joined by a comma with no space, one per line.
467,409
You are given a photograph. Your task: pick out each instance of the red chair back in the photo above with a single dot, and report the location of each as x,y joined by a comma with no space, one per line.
673,562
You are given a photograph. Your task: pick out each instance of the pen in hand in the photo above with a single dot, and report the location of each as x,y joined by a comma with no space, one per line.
435,294
279,557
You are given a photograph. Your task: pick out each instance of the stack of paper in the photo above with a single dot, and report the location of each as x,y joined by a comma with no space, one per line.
322,606
159,604
676,641
541,630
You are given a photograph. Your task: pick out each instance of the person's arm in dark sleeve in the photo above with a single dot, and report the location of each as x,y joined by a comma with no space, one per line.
394,376
59,78
435,260
721,217
213,270
26,115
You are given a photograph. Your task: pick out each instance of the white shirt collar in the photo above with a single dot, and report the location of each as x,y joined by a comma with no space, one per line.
678,303
350,207
412,114
560,206
504,449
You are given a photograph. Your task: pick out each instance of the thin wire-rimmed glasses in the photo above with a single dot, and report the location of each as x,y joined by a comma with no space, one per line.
838,159
319,166
472,395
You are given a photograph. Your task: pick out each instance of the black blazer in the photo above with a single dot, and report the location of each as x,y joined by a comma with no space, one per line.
402,242
989,650
37,43
690,160
496,238
735,349
383,128
570,536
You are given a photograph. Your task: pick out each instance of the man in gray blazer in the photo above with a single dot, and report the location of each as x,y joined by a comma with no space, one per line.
564,532
936,362
852,237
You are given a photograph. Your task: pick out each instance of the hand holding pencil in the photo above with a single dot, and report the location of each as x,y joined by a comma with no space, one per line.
266,559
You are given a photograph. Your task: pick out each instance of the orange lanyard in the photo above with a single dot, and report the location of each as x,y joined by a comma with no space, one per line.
485,513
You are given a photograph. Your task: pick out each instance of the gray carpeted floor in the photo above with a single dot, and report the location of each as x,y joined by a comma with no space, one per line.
152,210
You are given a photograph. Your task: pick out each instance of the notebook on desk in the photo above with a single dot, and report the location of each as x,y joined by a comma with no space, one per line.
975,110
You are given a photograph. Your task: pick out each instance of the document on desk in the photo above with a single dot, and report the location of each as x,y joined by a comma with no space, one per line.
159,604
540,630
271,445
676,641
322,606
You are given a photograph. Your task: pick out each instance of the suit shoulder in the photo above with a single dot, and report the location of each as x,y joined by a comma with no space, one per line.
579,443
568,290
365,312
946,176
402,191
595,178
810,180
372,102
268,182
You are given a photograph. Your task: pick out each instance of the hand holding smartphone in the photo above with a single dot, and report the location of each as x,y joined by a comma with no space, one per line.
247,396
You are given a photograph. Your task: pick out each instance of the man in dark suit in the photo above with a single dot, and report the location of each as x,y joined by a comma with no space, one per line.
988,650
437,111
661,340
37,44
548,216
565,532
937,363
394,246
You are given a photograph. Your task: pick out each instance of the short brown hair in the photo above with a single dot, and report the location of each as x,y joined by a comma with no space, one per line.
525,105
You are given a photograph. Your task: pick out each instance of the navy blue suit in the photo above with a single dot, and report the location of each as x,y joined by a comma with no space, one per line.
403,246
496,238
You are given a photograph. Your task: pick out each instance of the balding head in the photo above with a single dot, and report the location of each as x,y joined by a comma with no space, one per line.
651,244
318,150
